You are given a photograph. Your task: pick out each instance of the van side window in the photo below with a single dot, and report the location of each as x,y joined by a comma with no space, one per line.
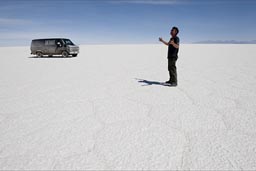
37,43
49,42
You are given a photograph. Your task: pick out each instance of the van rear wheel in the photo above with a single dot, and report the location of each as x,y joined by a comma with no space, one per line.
64,54
39,54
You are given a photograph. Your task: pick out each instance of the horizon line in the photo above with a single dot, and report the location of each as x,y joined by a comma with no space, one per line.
109,44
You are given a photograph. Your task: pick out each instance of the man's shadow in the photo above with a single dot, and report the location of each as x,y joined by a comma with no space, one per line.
149,83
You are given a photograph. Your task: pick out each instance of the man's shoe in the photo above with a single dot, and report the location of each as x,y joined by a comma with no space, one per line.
168,82
173,84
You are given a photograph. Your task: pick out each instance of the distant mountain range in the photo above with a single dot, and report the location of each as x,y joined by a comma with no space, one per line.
225,42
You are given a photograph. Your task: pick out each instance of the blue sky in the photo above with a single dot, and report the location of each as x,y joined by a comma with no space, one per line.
126,21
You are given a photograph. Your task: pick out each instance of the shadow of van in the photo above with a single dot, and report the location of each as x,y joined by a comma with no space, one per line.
51,57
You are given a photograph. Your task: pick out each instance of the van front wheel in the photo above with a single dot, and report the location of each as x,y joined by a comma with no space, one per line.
64,54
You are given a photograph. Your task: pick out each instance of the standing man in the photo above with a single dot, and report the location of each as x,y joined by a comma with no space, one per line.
173,49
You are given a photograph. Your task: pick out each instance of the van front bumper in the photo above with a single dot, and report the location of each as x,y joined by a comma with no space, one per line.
73,52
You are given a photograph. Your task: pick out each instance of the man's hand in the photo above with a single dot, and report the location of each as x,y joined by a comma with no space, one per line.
172,42
161,40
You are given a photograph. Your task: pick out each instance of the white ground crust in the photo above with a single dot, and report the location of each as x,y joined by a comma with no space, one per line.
92,111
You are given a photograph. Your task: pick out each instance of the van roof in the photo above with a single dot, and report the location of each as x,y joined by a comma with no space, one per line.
49,39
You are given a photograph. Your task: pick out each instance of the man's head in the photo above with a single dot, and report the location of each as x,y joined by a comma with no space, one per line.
174,31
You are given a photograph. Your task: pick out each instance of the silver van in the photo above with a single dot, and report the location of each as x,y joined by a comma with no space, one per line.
54,46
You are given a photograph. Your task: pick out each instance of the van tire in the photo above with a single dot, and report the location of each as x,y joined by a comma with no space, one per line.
39,54
64,54
74,55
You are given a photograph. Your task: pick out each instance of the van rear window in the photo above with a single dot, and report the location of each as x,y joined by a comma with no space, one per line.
37,42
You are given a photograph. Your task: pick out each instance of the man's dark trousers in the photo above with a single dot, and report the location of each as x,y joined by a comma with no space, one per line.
172,70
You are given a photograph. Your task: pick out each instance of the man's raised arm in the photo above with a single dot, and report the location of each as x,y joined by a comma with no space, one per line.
171,42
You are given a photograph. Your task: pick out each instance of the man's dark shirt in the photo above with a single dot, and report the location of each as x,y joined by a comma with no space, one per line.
172,51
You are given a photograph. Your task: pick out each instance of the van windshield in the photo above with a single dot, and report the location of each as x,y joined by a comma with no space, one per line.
68,42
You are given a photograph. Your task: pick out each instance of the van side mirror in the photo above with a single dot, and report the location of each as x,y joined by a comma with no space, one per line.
58,44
